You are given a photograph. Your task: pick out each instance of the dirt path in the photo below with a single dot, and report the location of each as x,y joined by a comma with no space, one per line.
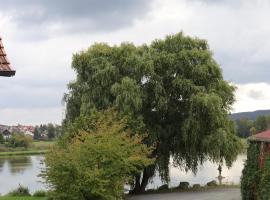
214,194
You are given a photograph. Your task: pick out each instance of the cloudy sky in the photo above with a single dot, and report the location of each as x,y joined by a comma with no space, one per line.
40,37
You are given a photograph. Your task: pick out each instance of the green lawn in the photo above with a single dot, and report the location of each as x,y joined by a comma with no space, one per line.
38,147
43,144
22,198
25,152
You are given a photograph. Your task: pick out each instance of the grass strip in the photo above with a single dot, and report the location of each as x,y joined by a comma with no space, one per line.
16,153
22,198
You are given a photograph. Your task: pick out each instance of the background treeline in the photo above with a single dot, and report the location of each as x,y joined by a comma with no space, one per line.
47,131
246,127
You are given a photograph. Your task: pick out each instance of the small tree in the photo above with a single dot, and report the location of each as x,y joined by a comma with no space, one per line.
51,131
36,133
2,140
95,164
261,123
19,140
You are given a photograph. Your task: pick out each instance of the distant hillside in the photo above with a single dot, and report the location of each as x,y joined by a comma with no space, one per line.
250,115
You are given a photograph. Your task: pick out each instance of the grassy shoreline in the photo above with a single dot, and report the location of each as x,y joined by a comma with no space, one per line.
22,153
22,198
37,148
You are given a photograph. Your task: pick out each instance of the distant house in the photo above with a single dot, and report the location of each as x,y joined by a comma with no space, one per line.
5,69
29,133
6,134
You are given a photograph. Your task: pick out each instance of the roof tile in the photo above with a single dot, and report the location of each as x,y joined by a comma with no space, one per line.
5,69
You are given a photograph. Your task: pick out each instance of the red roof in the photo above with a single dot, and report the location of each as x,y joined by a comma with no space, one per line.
263,136
5,69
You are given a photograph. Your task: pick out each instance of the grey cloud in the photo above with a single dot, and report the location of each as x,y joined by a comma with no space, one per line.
31,97
256,94
238,68
75,15
229,2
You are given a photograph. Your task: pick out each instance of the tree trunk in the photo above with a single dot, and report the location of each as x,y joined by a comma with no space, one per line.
146,176
140,185
136,189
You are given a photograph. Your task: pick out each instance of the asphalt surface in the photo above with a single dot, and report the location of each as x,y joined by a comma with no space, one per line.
214,194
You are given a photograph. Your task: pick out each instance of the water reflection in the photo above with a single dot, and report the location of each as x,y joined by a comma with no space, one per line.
21,170
24,170
19,164
206,173
2,162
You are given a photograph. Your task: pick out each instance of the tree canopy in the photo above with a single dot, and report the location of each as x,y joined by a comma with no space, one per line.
171,88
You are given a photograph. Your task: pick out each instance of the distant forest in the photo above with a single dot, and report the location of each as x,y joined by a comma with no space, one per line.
250,115
250,123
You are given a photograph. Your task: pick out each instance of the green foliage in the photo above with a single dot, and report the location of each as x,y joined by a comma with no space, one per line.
264,184
246,127
163,187
251,173
51,131
19,140
2,140
22,198
184,185
173,89
37,133
261,123
47,131
212,183
95,164
40,193
255,180
20,191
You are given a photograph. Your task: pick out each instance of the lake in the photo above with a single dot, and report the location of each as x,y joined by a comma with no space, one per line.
24,170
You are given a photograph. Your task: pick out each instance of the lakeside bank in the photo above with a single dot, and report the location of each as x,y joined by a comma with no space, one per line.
37,148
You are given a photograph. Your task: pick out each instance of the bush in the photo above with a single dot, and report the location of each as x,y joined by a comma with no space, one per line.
19,140
264,184
251,173
2,140
20,191
196,186
184,185
39,193
212,184
96,164
164,187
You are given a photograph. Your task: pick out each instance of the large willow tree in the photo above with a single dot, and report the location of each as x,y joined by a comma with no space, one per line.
172,89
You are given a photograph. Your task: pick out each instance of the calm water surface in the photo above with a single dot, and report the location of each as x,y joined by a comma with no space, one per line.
207,172
24,170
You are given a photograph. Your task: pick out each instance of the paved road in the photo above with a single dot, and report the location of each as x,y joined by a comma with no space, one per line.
214,194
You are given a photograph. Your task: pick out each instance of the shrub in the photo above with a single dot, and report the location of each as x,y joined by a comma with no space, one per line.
184,185
40,193
96,164
251,173
264,184
212,184
164,187
196,186
2,140
19,140
20,191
